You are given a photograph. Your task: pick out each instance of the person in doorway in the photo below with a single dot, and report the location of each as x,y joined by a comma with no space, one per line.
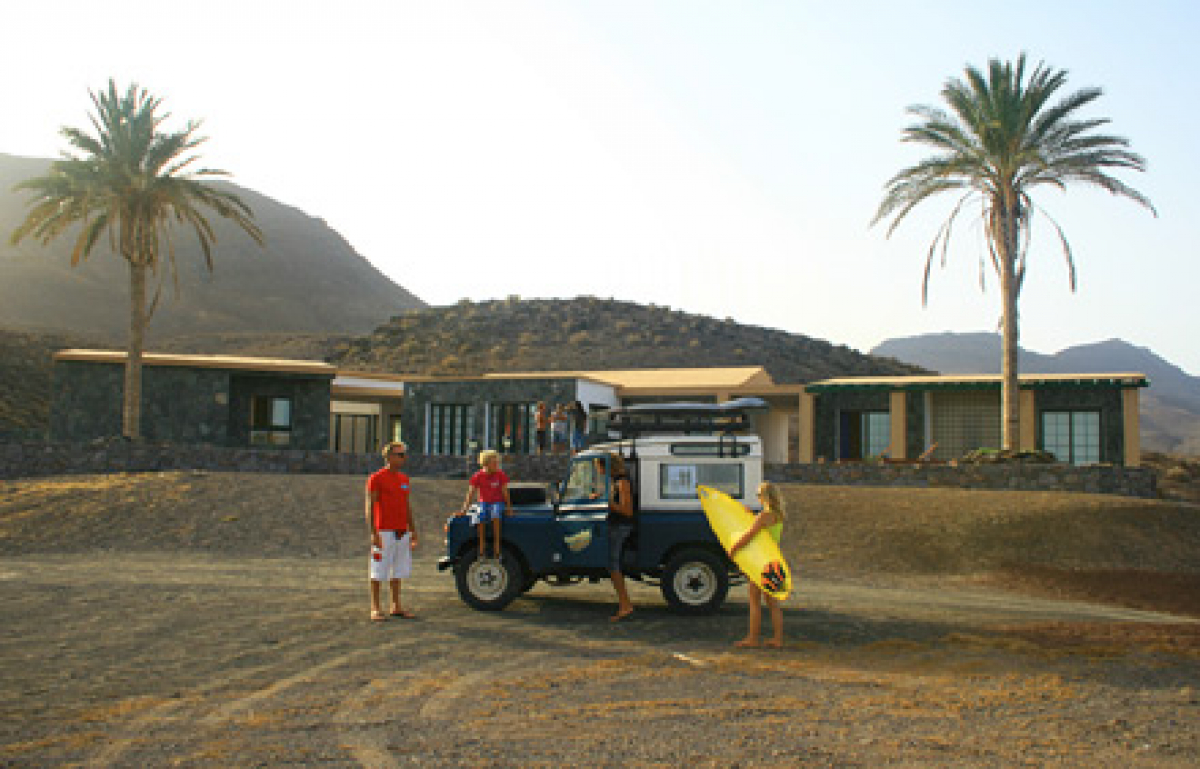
578,417
558,429
393,532
770,518
542,424
620,528
490,485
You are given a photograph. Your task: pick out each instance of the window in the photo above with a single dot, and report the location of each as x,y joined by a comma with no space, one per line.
270,421
354,433
1072,436
449,428
514,421
679,481
864,434
729,449
588,482
962,421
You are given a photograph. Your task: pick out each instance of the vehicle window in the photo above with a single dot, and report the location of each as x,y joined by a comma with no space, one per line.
679,481
729,449
587,482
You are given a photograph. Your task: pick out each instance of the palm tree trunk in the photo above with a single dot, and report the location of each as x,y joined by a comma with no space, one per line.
1010,393
131,410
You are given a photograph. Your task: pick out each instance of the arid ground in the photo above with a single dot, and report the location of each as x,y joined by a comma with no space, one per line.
203,619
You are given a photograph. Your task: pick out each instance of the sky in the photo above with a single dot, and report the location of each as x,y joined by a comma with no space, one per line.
719,158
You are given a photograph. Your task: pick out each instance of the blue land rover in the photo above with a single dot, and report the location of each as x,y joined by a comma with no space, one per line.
559,533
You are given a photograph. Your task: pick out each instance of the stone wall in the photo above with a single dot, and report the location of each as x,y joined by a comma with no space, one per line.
184,404
1093,479
26,459
32,458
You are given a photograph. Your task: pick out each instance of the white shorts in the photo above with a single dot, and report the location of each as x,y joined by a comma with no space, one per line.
394,561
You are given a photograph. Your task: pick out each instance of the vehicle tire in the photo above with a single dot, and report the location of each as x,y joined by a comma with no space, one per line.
488,584
695,581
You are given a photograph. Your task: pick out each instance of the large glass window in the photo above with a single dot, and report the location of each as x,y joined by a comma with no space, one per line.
679,480
354,433
1072,436
513,427
864,434
270,421
449,428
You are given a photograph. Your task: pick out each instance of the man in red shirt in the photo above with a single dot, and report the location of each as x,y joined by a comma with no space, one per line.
393,530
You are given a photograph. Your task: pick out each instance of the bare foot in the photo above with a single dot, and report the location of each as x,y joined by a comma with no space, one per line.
775,643
747,643
402,613
378,616
621,614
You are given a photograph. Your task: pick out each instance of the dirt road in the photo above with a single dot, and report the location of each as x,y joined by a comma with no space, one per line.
212,620
138,660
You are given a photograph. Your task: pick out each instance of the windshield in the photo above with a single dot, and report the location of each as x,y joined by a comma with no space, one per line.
588,481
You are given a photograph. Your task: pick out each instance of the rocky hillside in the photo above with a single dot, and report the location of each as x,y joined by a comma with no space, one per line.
472,338
307,279
589,333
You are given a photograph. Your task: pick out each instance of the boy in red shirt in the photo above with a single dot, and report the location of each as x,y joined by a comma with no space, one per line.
491,486
393,530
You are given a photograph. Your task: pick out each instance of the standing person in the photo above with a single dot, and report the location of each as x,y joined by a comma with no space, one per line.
620,527
579,418
393,530
770,518
558,428
542,424
490,484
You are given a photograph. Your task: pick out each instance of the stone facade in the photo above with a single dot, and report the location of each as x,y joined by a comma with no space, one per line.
830,403
182,404
32,459
1092,479
418,396
27,459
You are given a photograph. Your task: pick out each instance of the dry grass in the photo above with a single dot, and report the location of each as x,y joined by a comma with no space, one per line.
1141,553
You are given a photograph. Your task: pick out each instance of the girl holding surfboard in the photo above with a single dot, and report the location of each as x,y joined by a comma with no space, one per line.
771,518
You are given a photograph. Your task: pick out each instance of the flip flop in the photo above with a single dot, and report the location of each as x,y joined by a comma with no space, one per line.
404,614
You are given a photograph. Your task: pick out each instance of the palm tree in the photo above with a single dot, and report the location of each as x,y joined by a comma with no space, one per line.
129,184
1002,139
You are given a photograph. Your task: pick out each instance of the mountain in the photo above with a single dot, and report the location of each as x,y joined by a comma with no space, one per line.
587,333
1170,406
306,279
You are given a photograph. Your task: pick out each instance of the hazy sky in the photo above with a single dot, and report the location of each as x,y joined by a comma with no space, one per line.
722,158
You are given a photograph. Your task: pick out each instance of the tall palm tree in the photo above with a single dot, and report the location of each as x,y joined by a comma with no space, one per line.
128,184
1001,139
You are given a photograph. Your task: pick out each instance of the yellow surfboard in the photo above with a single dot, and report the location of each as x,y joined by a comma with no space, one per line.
760,559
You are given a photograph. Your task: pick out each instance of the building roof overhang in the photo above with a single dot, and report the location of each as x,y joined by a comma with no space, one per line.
230,362
976,382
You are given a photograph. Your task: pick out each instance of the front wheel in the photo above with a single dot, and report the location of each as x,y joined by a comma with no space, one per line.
488,584
695,582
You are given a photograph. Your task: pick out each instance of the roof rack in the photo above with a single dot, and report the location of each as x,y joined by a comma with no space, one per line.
723,418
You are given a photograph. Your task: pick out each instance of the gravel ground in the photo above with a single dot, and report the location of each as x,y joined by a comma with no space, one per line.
207,619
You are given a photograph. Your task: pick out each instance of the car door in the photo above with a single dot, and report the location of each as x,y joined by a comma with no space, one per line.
582,516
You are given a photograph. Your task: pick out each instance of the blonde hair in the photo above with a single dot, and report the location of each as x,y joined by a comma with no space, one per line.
772,499
486,455
387,448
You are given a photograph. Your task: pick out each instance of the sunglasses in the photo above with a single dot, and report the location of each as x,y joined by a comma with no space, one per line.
398,454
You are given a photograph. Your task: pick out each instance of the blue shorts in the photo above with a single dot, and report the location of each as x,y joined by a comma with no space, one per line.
578,441
618,535
487,511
